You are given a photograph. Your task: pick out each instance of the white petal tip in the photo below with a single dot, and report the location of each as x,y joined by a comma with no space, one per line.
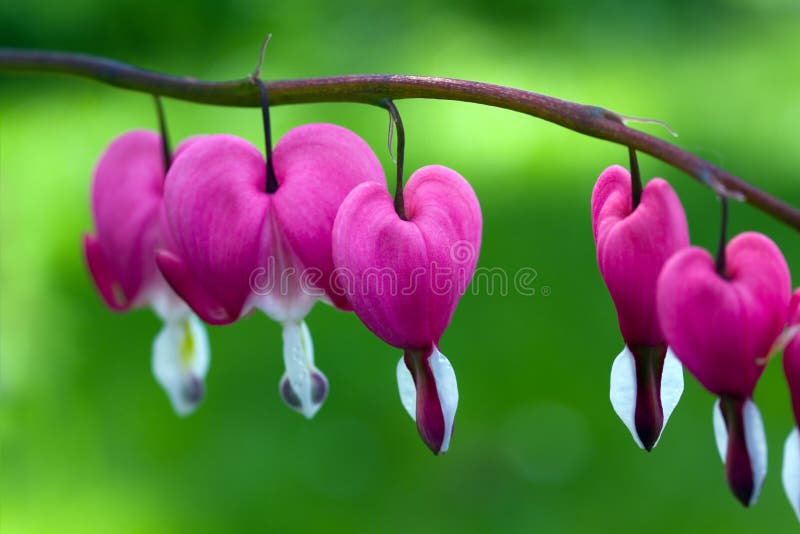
319,392
623,392
180,363
755,445
303,387
447,387
791,470
429,393
407,389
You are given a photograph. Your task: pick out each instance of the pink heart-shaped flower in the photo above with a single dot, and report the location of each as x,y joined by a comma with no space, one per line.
632,247
404,279
228,229
722,328
236,246
126,204
129,215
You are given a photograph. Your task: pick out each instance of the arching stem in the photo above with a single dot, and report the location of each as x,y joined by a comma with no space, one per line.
636,179
394,114
272,182
723,236
374,89
166,151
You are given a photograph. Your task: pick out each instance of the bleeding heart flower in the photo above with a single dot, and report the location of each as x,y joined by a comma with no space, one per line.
632,246
128,212
722,327
791,366
405,277
238,247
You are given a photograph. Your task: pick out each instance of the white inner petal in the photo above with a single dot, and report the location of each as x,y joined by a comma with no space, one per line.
791,470
298,357
623,391
754,437
180,361
756,440
447,388
277,286
671,385
720,431
166,304
407,389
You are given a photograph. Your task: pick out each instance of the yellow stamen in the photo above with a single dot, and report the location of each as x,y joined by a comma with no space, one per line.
187,345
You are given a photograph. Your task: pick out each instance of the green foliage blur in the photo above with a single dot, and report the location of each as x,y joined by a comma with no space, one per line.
88,441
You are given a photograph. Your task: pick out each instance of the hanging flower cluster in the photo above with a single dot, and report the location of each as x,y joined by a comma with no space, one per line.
721,318
217,230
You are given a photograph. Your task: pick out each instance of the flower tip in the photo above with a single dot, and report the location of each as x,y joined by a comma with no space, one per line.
429,393
791,470
319,392
742,444
646,385
190,397
181,358
303,387
102,274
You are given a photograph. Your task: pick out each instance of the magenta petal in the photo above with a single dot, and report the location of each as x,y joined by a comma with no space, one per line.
182,281
376,253
722,328
109,288
444,207
186,143
404,278
216,208
317,165
126,197
632,247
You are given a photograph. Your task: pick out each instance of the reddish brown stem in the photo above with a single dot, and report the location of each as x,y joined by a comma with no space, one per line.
374,89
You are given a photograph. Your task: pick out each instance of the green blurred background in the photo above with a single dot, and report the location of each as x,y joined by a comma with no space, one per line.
89,442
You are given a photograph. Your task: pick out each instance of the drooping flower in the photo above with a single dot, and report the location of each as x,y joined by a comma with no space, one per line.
127,206
632,246
404,279
722,327
791,366
239,247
